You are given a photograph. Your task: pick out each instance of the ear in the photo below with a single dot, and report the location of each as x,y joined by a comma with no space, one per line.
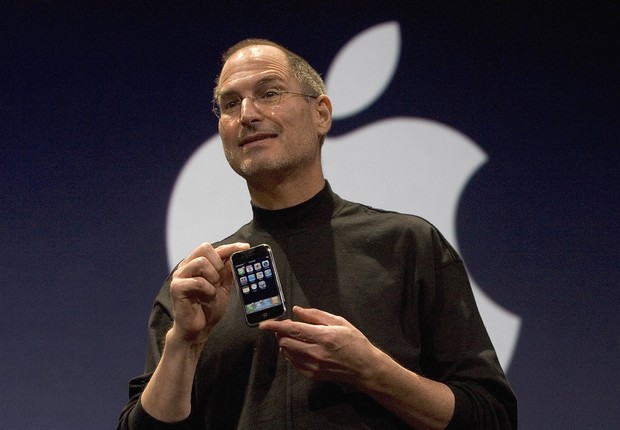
323,114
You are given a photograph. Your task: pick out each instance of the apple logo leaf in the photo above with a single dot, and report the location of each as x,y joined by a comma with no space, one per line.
363,68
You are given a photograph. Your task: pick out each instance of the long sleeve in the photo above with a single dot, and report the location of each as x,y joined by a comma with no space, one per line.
133,416
458,349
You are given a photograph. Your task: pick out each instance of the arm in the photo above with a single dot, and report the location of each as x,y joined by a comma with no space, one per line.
199,291
418,401
323,346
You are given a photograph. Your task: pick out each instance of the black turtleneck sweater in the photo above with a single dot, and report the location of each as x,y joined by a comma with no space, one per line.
393,276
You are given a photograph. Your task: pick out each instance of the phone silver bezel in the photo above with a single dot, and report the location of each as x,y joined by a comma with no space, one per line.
252,252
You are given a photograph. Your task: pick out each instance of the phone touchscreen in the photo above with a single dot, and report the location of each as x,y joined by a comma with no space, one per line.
258,284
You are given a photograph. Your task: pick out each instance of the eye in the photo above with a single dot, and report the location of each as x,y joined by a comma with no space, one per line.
270,96
231,104
228,105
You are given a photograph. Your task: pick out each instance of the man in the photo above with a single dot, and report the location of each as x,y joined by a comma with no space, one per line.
384,331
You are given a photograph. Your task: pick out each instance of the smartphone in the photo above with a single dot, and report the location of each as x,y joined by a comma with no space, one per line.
258,284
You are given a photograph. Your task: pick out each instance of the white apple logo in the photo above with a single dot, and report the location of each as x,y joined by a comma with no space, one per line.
423,171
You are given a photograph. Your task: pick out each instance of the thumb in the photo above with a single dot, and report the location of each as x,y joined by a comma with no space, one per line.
225,251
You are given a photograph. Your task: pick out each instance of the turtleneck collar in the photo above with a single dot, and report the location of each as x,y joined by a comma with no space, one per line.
318,209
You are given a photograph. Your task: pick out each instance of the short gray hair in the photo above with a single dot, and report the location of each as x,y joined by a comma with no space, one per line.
309,79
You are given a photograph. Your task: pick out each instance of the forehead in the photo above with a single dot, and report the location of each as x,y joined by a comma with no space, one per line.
252,64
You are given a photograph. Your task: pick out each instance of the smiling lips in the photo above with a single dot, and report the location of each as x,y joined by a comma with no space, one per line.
256,137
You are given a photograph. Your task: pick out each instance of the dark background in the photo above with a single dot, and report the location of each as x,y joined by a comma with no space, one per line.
102,103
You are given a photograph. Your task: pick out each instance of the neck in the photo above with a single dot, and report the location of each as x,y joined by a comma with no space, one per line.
280,194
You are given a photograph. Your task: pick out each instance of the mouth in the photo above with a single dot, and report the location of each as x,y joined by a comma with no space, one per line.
256,138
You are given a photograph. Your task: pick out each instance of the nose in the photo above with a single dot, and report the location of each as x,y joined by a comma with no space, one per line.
249,110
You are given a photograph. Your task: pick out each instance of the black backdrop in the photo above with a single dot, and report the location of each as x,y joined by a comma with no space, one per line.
100,107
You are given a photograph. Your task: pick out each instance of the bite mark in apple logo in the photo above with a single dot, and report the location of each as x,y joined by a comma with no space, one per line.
424,171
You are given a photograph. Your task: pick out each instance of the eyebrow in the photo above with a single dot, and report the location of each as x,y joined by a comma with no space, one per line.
269,79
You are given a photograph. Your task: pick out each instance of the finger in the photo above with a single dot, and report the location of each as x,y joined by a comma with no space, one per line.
276,326
197,274
282,328
202,250
207,261
225,251
194,289
317,316
201,267
287,330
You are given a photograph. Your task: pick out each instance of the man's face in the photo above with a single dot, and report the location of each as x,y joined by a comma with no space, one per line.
272,141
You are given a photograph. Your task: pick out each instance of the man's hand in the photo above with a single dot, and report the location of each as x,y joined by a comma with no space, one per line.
200,288
323,346
327,347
